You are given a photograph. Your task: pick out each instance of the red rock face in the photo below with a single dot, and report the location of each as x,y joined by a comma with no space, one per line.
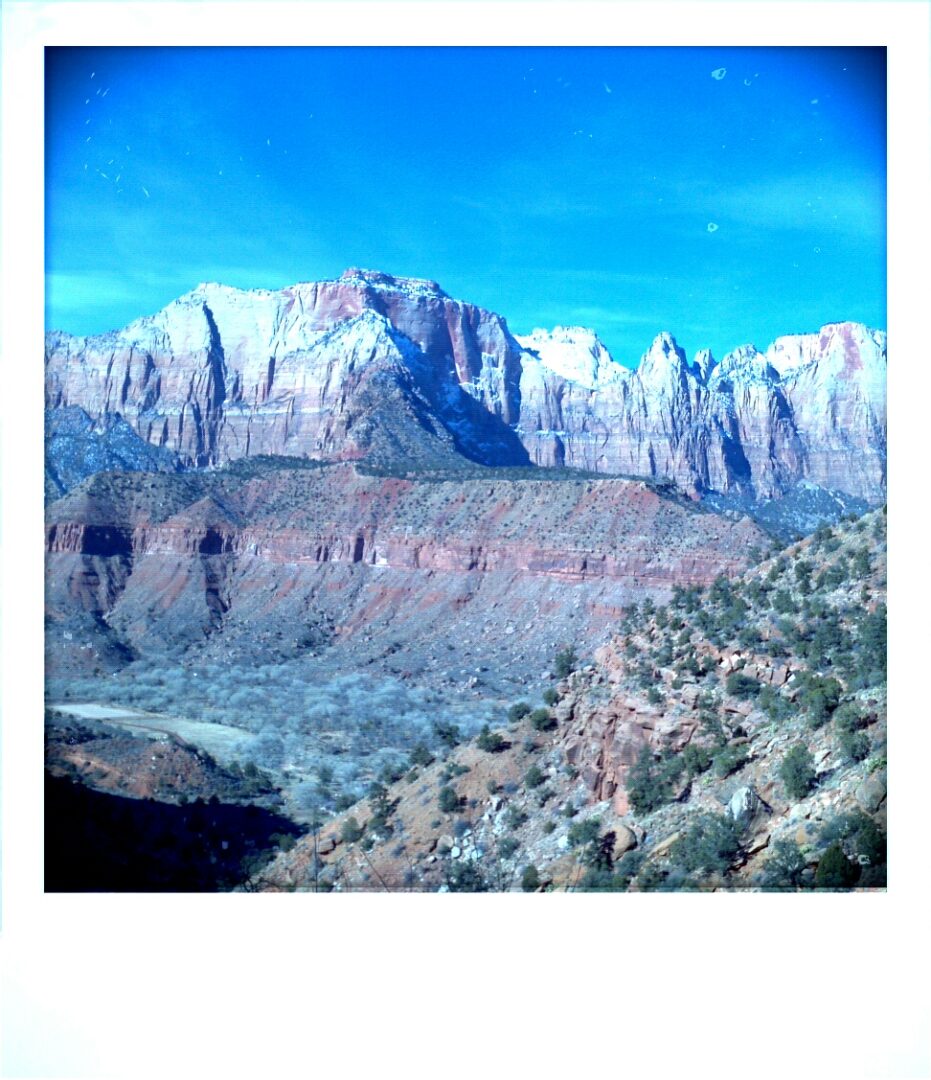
221,374
510,566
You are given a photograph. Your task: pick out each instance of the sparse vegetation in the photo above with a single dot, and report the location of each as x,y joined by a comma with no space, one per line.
798,772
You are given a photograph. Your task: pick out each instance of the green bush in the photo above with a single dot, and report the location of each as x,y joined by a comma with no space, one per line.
729,759
848,717
449,801
647,789
854,746
743,686
798,772
465,877
490,741
420,755
507,846
534,777
530,879
448,734
518,711
565,663
542,720
710,844
550,695
785,867
351,831
835,870
616,879
860,832
584,832
696,760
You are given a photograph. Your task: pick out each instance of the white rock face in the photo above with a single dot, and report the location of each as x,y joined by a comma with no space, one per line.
222,372
576,354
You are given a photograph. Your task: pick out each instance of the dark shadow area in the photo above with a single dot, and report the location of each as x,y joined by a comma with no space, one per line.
95,842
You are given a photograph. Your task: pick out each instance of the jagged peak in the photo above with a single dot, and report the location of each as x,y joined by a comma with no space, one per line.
703,364
748,364
663,362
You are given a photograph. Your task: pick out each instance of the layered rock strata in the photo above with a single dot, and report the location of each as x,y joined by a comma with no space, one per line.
371,365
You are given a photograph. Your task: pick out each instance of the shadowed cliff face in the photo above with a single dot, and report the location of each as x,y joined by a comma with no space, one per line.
504,569
222,373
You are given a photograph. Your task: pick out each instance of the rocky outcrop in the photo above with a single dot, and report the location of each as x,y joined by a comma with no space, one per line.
507,568
392,368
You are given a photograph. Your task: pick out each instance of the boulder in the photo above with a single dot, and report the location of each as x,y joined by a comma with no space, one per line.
624,840
871,793
744,806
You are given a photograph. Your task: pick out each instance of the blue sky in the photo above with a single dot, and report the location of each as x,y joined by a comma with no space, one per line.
631,190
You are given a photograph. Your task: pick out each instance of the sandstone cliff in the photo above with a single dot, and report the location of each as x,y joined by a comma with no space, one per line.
393,368
497,569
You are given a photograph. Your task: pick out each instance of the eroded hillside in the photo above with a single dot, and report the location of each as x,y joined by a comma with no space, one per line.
732,738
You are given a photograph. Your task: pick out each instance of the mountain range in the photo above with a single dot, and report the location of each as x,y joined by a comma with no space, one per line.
395,371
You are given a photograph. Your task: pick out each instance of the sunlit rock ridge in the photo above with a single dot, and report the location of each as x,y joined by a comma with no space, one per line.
369,363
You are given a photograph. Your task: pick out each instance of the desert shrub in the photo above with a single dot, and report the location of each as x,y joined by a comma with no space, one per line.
584,832
647,789
861,562
391,772
565,662
530,879
447,733
819,696
542,720
871,646
351,831
550,695
518,711
776,707
344,800
784,868
848,717
858,832
507,846
797,772
803,571
729,759
709,844
654,696
854,746
696,760
742,686
420,755
616,879
549,827
465,877
671,767
514,818
448,800
491,741
835,870
534,777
